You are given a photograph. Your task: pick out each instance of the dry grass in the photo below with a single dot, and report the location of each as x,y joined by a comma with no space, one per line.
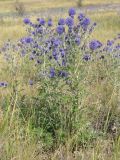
94,2
30,5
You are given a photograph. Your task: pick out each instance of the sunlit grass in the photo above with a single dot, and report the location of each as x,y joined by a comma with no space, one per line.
94,2
108,25
32,5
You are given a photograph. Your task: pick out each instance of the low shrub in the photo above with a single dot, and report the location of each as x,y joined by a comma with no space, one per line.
69,73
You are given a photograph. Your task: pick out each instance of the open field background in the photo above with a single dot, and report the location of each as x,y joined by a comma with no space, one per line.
101,101
108,20
7,5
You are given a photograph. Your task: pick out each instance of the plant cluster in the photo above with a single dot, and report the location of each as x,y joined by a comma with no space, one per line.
65,62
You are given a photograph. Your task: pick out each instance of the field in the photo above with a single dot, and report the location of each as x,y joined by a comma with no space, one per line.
60,88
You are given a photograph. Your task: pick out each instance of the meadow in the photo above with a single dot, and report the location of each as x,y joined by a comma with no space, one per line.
59,81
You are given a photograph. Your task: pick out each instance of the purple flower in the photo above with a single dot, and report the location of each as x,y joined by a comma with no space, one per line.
42,21
61,21
72,12
69,21
40,30
3,84
60,29
26,21
22,40
54,53
33,33
28,39
86,57
81,17
95,44
85,23
56,42
62,52
77,41
52,72
118,46
50,23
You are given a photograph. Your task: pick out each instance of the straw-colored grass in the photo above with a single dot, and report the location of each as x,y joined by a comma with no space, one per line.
30,5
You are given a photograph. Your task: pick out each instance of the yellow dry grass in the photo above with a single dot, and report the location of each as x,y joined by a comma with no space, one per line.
30,5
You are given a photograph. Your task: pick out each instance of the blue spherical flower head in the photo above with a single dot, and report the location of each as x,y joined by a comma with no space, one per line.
85,23
56,42
52,72
77,41
72,12
40,30
61,21
26,21
81,17
33,33
69,22
50,23
28,40
60,29
42,21
95,44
